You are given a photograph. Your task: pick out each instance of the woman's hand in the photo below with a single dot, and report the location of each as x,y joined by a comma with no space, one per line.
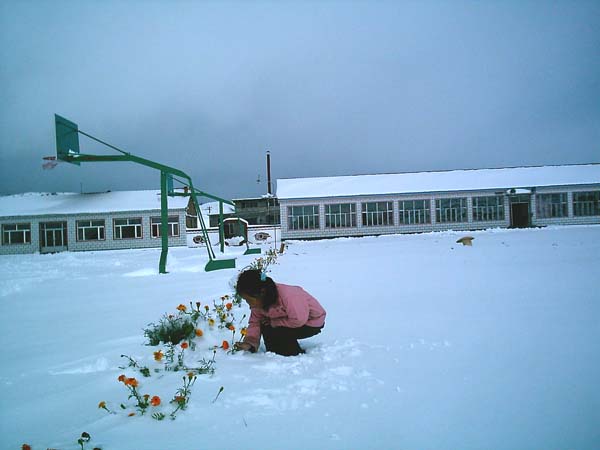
242,346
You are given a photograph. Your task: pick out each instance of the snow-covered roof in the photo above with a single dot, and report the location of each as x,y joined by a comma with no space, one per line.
454,180
43,203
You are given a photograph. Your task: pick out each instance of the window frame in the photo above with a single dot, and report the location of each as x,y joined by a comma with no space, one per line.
172,224
294,220
462,210
483,212
579,204
334,219
120,227
26,233
79,227
404,212
382,215
549,210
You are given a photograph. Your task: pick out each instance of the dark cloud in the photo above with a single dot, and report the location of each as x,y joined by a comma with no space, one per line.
330,88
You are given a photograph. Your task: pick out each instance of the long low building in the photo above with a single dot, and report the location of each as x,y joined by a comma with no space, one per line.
362,205
47,223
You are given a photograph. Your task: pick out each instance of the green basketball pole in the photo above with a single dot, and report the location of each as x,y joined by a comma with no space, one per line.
67,149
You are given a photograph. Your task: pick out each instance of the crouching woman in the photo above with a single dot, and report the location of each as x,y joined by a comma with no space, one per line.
280,313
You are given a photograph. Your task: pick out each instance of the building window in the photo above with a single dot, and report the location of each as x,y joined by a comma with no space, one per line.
17,233
586,203
451,210
173,226
128,228
303,217
551,205
414,211
377,214
340,216
90,230
488,209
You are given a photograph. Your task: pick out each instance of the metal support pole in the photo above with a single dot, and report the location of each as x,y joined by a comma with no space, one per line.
164,223
221,228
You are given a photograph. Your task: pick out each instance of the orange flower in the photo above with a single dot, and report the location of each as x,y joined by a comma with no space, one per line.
131,414
244,331
229,306
206,307
190,375
199,332
181,308
131,382
225,345
184,345
26,447
231,327
158,355
102,405
121,378
155,401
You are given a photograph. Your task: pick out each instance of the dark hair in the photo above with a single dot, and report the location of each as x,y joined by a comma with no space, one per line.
249,282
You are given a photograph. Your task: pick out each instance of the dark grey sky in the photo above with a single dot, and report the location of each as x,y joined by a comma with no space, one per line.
330,88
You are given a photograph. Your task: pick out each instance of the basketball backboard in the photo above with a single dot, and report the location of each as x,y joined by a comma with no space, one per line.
67,139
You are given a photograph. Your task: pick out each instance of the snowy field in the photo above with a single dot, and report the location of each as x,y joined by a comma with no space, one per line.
428,344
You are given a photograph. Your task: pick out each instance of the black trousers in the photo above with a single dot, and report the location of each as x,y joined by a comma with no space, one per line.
284,341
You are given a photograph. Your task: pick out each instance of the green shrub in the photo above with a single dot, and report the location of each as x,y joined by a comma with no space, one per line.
171,329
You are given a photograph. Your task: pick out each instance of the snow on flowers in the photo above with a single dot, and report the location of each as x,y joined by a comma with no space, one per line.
190,328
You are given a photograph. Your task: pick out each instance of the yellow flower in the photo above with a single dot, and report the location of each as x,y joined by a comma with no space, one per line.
181,308
102,405
158,355
211,322
244,331
199,332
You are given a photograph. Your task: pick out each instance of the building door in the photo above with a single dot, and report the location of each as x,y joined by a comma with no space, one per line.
520,216
53,237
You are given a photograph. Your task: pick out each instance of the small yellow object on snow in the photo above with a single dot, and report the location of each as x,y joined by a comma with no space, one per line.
466,240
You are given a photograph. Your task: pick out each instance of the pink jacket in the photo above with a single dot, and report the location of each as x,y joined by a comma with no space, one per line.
294,308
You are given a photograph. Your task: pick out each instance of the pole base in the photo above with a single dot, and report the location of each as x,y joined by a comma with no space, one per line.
218,264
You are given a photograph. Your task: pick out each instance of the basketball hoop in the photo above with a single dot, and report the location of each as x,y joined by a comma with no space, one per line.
50,163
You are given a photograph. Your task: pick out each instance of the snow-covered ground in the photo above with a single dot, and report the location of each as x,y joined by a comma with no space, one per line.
428,345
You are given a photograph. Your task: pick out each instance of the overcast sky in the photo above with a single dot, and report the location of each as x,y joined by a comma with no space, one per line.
330,88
